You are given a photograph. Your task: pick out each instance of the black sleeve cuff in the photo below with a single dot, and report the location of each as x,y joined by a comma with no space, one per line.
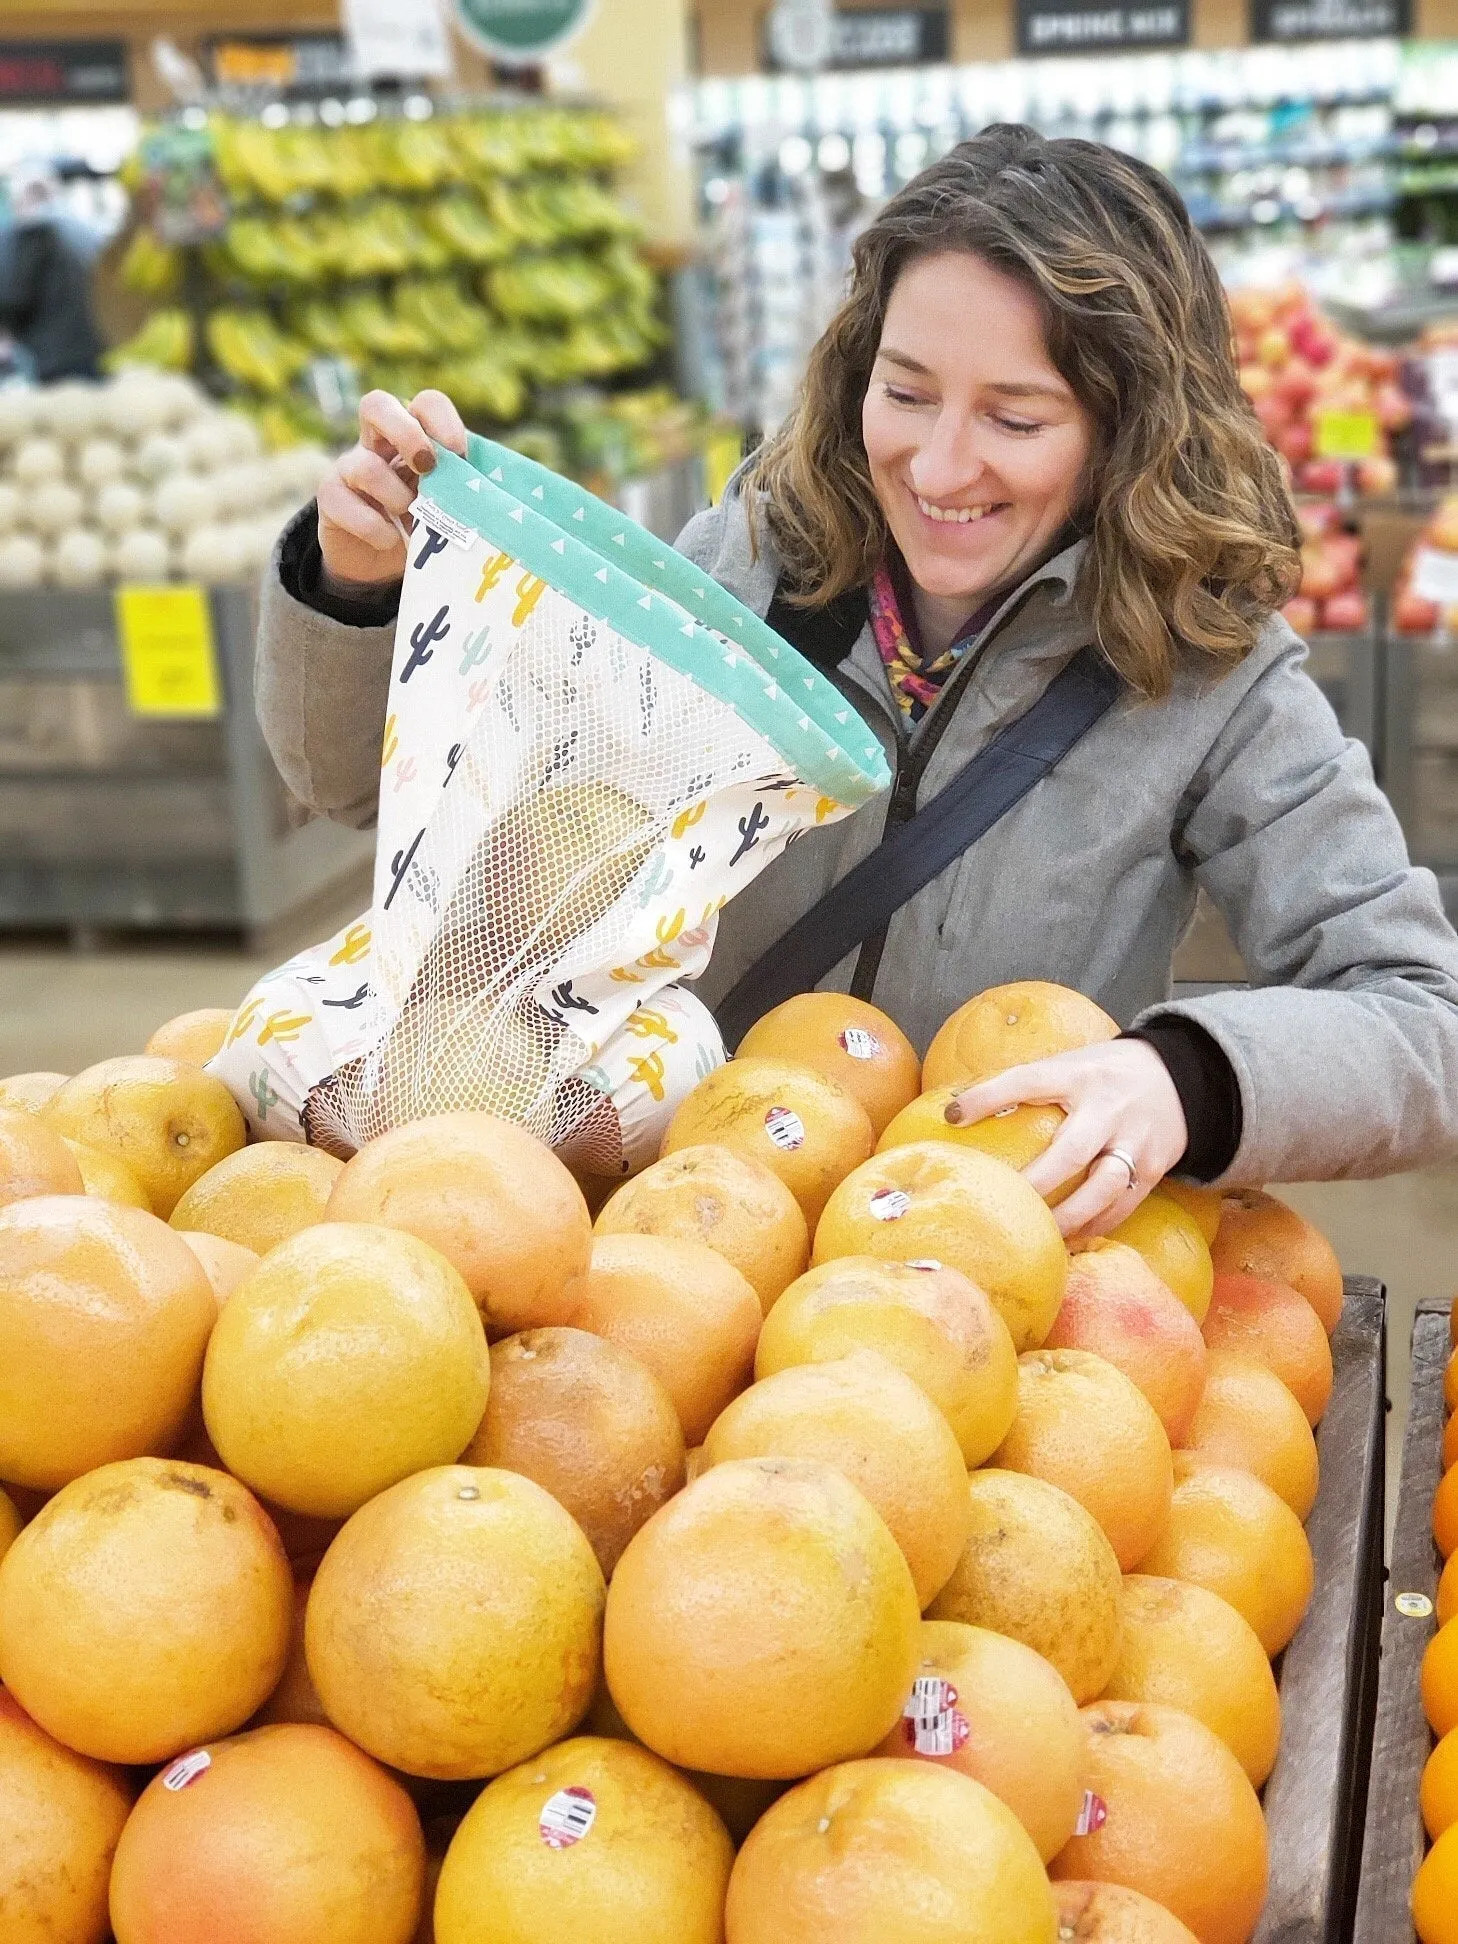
301,569
1209,1094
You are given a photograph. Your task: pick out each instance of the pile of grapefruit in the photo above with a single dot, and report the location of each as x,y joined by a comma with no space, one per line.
1435,1892
795,1544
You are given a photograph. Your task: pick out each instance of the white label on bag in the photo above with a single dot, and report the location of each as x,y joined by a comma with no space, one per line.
425,512
890,1204
785,1128
860,1044
567,1817
187,1768
1435,576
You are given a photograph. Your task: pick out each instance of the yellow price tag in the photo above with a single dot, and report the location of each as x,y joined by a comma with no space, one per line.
722,455
168,658
1346,435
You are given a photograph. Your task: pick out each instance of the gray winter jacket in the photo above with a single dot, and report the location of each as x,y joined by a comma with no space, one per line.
1345,1049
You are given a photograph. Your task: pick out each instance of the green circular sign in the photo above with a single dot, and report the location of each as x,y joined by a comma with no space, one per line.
521,31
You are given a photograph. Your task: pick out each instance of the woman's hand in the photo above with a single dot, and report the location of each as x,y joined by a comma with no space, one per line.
1116,1095
375,483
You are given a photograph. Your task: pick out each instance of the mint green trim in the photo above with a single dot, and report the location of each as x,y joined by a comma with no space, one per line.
640,586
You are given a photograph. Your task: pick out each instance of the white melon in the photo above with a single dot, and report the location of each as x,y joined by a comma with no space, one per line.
120,506
53,507
142,555
39,458
99,462
185,501
79,558
22,562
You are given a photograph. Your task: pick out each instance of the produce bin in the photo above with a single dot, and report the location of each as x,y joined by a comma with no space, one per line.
1316,1798
1419,750
110,819
1395,1840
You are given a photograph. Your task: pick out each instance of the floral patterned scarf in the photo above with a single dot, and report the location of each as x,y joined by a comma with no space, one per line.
915,682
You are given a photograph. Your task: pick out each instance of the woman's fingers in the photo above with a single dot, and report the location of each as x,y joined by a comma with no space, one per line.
1081,1139
440,419
1101,1202
1045,1081
387,428
340,505
367,473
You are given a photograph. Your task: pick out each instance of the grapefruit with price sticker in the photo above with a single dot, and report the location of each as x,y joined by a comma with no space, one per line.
1012,1025
1039,1569
804,1128
1115,1306
991,1708
167,1120
62,1817
714,1666
932,1322
496,1203
1276,1325
877,1851
285,1835
144,1608
931,1200
588,1423
593,1840
1083,1426
260,1196
734,1205
683,1311
1249,1420
105,1315
1178,1820
882,1431
1260,1235
848,1041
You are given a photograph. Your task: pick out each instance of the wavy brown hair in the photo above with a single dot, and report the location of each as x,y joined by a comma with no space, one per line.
1193,535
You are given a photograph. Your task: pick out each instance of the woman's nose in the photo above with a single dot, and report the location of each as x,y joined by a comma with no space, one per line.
950,461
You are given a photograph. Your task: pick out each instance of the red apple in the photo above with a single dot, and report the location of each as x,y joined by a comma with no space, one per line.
1256,381
1274,414
1377,475
1296,383
1314,340
1321,575
1273,347
1295,441
1301,612
1393,408
1411,614
1321,476
1316,517
1346,612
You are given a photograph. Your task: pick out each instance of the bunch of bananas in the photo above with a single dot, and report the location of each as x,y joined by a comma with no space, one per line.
164,342
149,267
251,349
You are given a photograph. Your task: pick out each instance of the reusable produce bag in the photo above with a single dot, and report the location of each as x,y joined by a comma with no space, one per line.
590,748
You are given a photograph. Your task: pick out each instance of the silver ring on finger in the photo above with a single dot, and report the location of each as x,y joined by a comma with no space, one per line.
1122,1154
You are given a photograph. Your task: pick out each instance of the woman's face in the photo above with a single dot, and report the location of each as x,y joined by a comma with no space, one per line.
978,448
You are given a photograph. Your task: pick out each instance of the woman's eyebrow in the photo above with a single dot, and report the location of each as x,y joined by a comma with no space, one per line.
1011,389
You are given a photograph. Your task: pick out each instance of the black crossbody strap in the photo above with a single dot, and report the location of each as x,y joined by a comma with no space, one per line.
984,790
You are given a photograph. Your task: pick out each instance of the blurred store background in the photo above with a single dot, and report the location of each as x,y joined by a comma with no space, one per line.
612,229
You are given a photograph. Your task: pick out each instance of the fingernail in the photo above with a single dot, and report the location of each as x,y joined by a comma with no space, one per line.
954,1113
424,460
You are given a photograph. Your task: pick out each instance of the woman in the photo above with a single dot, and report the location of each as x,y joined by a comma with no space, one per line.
1023,434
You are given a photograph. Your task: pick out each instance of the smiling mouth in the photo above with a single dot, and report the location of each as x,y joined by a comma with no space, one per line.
957,515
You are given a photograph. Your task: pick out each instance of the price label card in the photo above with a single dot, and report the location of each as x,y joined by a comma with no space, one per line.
168,659
1435,576
1346,435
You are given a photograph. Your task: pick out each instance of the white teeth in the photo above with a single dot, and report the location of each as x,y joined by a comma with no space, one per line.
952,515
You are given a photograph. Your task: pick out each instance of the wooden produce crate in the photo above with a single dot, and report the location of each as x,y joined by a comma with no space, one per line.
1395,1840
1315,1801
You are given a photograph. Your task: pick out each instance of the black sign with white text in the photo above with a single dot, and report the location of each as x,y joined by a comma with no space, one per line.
1304,20
69,72
1096,27
875,37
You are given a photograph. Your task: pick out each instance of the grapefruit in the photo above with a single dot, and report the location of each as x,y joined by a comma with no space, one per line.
352,1357
991,1708
1439,1678
1203,1203
845,1040
933,1323
1448,1592
165,1120
1170,1241
285,1835
1261,1236
194,1037
1229,1532
225,1264
104,1319
1445,1514
30,1091
1435,1893
733,1204
799,1125
34,1160
1012,1025
596,1841
763,1624
589,1424
10,1522
261,1195
62,1816
1276,1325
1016,1136
1184,1647
684,1312
295,1698
1182,1822
876,1851
882,1432
1039,1569
453,1629
1118,1308
1439,1790
954,1206
496,1203
1107,1913
144,1608
1083,1426
107,1178
1248,1419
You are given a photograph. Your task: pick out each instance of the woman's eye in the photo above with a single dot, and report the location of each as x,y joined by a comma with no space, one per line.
1019,425
898,397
